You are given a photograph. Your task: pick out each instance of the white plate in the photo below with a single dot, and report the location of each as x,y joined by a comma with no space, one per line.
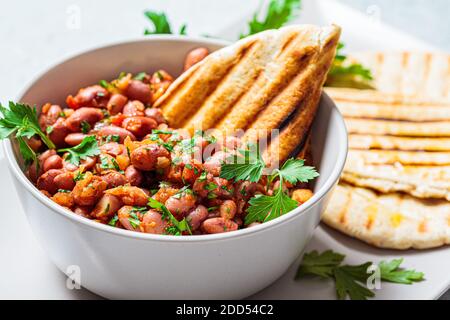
31,275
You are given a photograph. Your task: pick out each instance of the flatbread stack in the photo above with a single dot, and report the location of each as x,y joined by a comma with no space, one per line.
395,188
272,80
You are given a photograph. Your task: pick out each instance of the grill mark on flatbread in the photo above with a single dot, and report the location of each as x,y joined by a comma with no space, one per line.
343,213
402,157
283,145
188,91
273,81
280,111
382,127
401,222
414,113
367,142
378,181
382,98
424,76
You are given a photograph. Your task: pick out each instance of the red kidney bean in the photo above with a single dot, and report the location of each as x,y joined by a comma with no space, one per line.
64,181
228,209
114,179
156,114
195,56
116,131
134,109
219,225
59,132
106,207
73,139
116,103
92,96
53,162
137,90
88,190
180,204
152,222
46,181
146,157
197,216
84,114
139,126
112,148
124,218
133,175
49,115
129,195
214,163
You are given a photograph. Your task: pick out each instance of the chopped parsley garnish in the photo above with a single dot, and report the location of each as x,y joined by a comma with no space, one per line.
109,163
134,220
140,76
63,191
87,148
49,129
78,176
113,221
210,186
112,137
350,280
85,127
181,226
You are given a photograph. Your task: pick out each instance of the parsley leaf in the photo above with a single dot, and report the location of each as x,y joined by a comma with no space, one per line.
87,148
21,119
278,13
391,272
294,171
348,281
265,208
348,75
319,264
180,226
249,167
160,24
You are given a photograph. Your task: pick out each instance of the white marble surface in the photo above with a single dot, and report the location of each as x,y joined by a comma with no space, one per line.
38,34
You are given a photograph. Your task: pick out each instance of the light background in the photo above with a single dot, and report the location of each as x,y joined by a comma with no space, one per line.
37,34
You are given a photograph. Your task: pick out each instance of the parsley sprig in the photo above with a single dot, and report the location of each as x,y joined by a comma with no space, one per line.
279,12
160,23
348,75
249,165
350,280
21,120
176,227
87,148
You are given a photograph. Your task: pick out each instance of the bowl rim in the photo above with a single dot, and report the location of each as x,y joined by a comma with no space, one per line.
329,183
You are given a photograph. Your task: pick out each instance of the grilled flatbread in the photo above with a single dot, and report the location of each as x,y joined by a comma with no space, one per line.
398,128
361,141
418,181
415,113
394,221
271,80
402,157
412,76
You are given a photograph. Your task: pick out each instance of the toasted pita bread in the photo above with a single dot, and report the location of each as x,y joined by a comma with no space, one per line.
411,75
418,181
360,141
271,80
394,221
402,157
398,128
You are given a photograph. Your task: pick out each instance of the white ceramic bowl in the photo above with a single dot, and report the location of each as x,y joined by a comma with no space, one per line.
117,263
